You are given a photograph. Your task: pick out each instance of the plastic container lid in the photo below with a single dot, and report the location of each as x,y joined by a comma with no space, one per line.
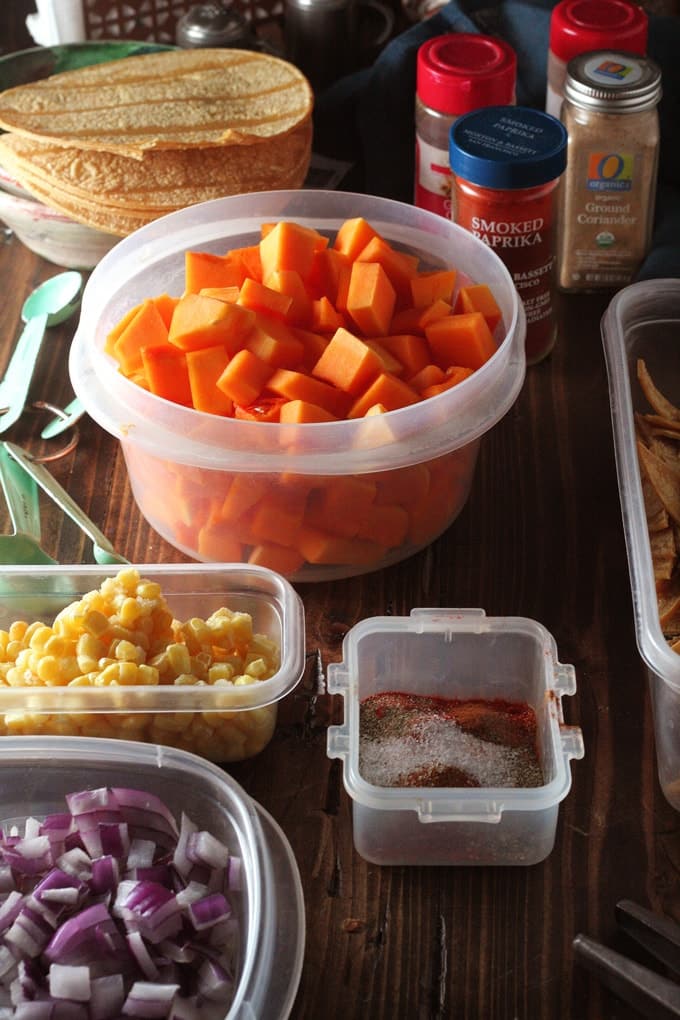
508,147
462,71
577,26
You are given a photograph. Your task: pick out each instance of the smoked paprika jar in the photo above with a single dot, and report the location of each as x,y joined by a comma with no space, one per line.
506,163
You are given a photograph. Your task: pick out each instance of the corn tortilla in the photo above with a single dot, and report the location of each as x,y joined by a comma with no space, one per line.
169,100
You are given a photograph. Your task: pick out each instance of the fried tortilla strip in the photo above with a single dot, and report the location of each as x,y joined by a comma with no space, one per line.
655,511
668,593
664,554
657,401
664,478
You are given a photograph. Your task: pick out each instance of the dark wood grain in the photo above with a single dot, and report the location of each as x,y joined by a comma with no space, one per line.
540,536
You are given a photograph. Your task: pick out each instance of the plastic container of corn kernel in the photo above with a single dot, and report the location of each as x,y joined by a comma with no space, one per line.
221,721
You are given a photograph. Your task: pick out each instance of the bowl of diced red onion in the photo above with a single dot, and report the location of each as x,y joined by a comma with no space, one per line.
140,881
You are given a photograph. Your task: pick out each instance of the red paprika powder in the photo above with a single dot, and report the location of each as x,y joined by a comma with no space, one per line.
506,163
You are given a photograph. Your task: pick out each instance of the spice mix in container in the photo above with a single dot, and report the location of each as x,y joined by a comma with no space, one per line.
506,164
607,196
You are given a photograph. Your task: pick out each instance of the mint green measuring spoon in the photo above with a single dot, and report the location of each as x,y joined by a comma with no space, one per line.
49,304
21,495
102,549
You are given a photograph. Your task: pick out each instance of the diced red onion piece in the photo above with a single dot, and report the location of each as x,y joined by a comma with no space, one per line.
77,863
69,982
108,996
209,911
214,982
84,801
6,878
105,874
29,856
139,805
10,908
204,848
141,853
142,955
149,999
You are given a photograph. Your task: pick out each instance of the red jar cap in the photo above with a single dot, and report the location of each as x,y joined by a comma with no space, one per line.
462,71
577,26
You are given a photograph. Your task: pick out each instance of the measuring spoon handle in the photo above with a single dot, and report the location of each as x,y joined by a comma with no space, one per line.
51,486
21,496
17,382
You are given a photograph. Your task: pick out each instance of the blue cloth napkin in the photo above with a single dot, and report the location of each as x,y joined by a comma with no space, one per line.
367,118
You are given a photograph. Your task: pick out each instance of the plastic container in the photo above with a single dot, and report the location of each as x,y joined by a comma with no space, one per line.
455,73
579,26
244,716
506,166
37,772
455,653
643,321
182,462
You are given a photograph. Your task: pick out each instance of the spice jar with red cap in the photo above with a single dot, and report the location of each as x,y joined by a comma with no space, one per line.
456,73
506,163
579,26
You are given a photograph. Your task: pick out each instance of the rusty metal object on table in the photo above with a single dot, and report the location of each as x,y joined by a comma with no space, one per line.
650,993
63,420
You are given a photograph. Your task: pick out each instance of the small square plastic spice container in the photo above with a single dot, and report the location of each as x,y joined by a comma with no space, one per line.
456,654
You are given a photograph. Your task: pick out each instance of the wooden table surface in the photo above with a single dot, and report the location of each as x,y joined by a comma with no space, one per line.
541,536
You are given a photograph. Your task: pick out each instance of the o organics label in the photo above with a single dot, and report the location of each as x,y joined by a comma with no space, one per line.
613,69
609,171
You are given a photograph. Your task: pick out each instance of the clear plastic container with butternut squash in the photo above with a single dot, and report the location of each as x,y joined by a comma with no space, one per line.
307,391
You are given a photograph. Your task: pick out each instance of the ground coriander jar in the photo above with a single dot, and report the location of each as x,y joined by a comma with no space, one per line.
506,164
456,73
607,196
579,26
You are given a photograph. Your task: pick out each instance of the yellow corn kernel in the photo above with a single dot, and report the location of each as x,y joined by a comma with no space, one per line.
84,680
175,722
222,671
109,675
129,612
13,650
149,590
126,651
95,623
49,671
244,680
147,675
257,668
17,630
179,660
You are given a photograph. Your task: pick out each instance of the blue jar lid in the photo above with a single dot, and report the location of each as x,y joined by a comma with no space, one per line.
508,147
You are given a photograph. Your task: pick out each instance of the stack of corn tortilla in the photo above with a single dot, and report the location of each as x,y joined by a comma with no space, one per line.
116,145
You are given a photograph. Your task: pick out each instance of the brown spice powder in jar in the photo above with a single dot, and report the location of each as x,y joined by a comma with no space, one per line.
607,194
